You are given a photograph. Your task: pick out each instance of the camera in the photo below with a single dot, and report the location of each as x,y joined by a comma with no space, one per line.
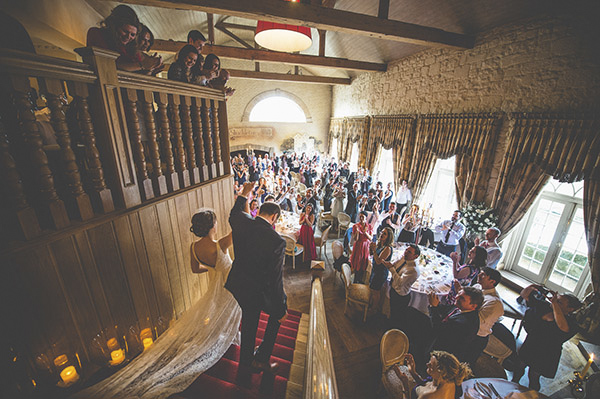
540,293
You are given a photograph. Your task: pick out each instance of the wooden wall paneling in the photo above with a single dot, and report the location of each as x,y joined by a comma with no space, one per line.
131,266
47,303
105,248
20,310
76,290
90,270
179,212
194,281
156,258
144,265
171,266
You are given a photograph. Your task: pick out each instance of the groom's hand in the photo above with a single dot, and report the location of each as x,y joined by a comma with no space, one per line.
247,188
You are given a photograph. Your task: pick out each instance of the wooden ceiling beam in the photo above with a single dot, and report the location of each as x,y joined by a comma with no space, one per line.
320,17
243,74
273,56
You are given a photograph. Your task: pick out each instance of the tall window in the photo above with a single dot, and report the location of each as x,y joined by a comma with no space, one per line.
440,190
384,170
354,158
549,243
333,151
277,109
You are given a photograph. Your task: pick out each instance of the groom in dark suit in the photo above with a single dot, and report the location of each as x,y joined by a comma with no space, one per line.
255,279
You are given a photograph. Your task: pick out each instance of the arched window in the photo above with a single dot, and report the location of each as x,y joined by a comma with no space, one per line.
277,106
277,109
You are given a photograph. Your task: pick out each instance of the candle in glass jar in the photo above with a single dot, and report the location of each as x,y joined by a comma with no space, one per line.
117,356
588,365
147,342
69,375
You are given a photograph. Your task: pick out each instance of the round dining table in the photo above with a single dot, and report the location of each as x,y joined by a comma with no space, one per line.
288,224
493,388
435,275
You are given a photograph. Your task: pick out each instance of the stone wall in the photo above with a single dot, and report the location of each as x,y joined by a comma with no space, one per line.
316,97
539,65
544,64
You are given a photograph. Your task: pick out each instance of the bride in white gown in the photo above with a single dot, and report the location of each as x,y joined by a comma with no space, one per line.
196,341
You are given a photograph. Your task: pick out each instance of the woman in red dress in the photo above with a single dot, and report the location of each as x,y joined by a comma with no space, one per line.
307,234
362,235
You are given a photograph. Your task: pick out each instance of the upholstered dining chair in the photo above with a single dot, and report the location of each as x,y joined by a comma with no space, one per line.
321,240
343,222
292,248
359,294
337,250
393,348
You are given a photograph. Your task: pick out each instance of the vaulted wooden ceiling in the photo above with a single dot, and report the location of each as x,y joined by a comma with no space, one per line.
359,36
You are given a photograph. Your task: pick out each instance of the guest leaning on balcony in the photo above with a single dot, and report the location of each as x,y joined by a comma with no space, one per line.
181,70
118,33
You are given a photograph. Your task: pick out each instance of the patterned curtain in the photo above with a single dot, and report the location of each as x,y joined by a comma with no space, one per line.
591,216
336,127
355,129
470,137
541,146
388,132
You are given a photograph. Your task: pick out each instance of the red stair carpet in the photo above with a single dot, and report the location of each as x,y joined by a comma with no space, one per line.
219,382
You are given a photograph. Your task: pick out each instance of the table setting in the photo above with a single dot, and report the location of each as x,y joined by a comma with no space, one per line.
288,224
496,388
435,275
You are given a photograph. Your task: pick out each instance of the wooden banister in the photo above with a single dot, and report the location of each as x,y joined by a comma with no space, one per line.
108,140
319,373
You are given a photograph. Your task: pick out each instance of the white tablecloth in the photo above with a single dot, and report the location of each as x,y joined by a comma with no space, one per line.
436,275
288,224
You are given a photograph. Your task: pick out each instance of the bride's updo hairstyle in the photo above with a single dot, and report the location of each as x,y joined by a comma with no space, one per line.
203,221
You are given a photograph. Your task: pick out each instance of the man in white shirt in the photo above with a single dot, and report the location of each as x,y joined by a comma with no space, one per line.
494,253
489,313
452,231
404,273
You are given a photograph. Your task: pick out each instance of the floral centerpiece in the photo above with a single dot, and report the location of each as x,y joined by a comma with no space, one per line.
477,218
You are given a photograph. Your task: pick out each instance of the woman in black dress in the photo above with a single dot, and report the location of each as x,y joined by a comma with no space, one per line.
381,251
548,325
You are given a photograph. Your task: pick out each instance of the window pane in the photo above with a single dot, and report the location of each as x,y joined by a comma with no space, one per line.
572,259
441,190
277,109
545,222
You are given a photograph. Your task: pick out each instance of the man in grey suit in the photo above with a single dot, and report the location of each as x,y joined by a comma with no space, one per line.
255,279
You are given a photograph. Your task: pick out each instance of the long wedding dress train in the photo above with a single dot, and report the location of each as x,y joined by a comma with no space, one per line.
192,345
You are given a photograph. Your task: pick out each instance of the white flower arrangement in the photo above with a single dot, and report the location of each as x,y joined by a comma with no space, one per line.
477,218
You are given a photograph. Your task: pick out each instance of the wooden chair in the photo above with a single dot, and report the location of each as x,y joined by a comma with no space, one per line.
497,350
337,250
359,294
325,219
393,348
292,248
516,311
321,240
343,222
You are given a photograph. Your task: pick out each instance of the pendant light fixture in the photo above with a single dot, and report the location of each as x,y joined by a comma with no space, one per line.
282,37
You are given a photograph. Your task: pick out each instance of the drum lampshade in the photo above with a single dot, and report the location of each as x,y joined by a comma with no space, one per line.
282,37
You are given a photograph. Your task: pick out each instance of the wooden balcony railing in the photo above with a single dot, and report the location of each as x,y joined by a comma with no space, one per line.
319,374
106,140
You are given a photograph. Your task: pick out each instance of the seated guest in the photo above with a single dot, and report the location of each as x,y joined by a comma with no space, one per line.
446,375
455,327
427,236
494,253
145,42
118,33
390,219
489,313
452,231
548,323
404,273
307,234
181,69
410,225
476,260
382,251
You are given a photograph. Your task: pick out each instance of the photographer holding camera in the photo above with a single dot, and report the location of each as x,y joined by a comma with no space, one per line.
549,322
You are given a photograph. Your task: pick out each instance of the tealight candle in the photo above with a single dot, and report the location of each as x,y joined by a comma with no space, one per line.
147,342
117,356
69,375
